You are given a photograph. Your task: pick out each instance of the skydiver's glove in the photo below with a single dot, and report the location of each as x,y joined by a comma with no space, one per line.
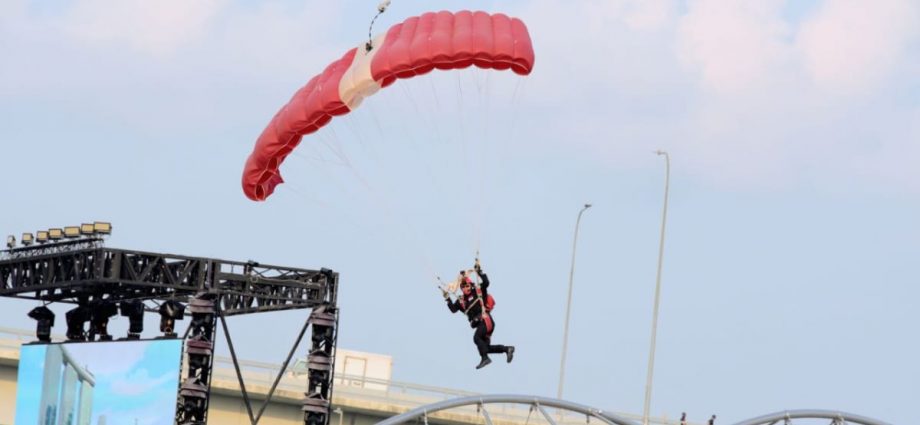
445,294
477,267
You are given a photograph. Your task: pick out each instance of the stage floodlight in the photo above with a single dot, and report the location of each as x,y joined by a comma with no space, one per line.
101,312
170,311
10,241
76,320
45,318
87,229
41,236
27,239
72,232
134,311
102,228
55,234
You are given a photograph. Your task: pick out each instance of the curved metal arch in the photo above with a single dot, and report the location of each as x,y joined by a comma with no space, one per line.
773,418
538,402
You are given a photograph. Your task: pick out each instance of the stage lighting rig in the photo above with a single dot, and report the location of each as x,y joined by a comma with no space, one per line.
170,311
102,228
134,311
86,231
71,232
45,318
100,281
76,320
100,313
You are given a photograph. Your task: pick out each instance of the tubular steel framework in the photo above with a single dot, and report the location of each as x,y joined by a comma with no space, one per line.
538,404
837,418
86,273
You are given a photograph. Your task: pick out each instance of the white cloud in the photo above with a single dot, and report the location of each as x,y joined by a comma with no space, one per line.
743,107
851,45
649,14
735,46
739,94
159,47
609,41
272,37
158,27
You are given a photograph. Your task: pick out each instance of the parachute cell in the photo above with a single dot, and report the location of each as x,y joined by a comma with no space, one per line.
442,40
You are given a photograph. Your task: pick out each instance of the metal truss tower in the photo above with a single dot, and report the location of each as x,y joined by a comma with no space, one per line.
86,273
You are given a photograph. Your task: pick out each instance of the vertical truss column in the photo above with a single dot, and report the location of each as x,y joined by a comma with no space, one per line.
320,366
195,390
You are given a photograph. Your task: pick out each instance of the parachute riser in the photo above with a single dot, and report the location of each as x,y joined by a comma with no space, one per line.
382,7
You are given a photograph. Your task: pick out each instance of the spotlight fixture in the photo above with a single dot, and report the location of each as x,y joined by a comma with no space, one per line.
45,318
134,311
71,232
10,241
100,313
27,239
170,311
55,234
87,229
41,236
102,228
76,320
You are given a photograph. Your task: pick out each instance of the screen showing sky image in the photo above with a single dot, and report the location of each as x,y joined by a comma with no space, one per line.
107,383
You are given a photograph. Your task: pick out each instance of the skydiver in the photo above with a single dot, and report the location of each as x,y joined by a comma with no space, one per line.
471,302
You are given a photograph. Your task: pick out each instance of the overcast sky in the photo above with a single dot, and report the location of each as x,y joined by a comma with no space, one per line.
789,276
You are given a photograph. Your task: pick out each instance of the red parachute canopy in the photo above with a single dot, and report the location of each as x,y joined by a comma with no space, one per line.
442,40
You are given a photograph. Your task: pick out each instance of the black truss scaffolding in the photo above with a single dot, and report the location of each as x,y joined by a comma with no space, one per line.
80,271
66,275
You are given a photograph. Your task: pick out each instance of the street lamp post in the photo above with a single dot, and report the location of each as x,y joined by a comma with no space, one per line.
651,354
568,305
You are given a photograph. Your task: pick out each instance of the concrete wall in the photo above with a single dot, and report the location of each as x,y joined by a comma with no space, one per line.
7,388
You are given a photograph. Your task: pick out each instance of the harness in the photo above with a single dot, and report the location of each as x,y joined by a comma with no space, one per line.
487,303
466,309
486,308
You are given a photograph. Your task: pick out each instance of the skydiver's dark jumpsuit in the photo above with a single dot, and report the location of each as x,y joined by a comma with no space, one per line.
480,321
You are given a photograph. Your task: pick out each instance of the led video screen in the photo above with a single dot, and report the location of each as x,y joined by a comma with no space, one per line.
99,383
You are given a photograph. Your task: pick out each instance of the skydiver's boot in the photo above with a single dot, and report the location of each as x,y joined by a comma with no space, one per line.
510,353
485,362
